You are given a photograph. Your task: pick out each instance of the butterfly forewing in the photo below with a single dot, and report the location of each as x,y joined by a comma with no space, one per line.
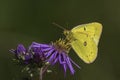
92,30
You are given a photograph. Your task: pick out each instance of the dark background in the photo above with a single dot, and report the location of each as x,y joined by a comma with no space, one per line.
24,21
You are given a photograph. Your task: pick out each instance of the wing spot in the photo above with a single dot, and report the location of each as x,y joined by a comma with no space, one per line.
91,53
85,43
84,29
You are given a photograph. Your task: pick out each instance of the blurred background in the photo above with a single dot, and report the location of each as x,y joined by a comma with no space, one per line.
24,21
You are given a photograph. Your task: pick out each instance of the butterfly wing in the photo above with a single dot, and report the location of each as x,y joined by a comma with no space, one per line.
86,41
85,48
93,30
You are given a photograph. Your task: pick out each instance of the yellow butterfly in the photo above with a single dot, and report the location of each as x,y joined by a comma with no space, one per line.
84,40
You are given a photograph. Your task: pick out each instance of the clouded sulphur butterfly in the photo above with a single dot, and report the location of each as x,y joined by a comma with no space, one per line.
84,40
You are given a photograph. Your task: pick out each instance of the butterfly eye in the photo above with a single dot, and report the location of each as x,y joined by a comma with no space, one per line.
66,32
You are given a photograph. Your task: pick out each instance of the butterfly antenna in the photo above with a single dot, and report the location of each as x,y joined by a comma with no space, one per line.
58,26
67,25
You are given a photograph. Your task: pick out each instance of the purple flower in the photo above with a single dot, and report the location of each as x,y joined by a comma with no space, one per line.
22,53
56,53
38,56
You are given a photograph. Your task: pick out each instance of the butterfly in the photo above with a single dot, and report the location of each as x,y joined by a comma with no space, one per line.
84,40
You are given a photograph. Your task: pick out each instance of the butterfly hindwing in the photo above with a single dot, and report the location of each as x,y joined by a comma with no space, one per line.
85,47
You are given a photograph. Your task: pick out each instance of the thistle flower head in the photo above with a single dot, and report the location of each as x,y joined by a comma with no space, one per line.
22,53
38,56
57,53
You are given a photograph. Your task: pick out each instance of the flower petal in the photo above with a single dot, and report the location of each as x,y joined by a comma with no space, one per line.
12,51
55,61
47,54
61,59
65,68
46,49
70,65
74,63
34,44
21,49
52,57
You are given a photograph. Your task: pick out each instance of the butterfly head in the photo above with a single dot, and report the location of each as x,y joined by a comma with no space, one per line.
66,32
69,36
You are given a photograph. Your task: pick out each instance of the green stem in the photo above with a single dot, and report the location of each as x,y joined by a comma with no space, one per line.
41,71
45,68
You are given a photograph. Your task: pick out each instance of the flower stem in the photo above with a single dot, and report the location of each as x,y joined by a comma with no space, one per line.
45,68
42,71
40,77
